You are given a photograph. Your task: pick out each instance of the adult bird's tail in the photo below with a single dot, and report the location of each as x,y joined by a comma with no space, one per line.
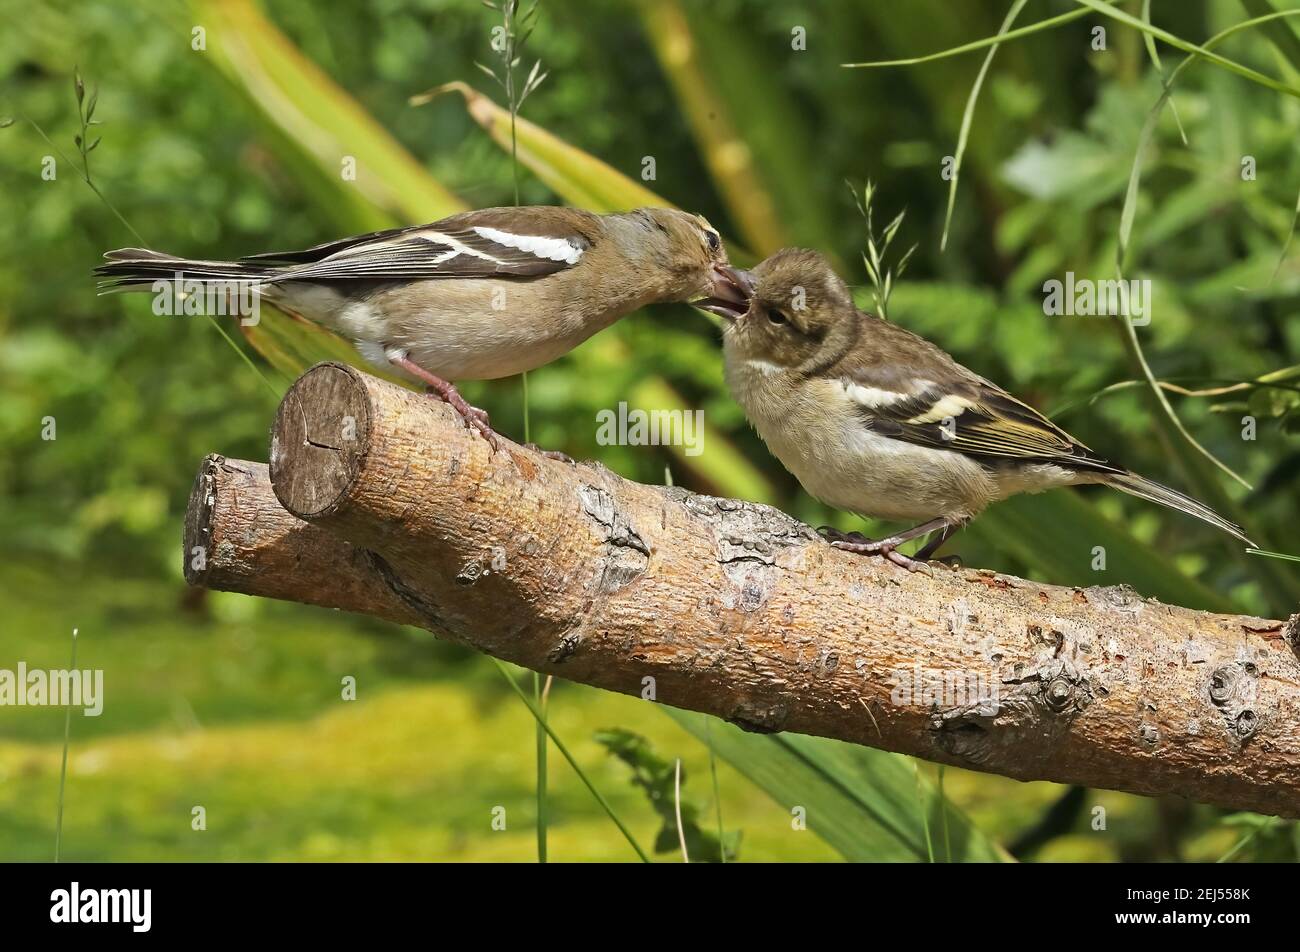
1144,488
136,269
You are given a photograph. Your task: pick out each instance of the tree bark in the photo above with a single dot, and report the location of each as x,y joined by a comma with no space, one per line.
740,611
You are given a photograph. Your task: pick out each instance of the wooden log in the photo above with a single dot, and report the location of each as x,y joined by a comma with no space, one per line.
238,538
737,610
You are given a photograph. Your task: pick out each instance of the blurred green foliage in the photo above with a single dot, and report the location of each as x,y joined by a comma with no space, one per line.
679,816
758,136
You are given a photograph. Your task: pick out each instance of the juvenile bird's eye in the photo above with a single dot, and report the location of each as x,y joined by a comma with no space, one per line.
714,241
777,317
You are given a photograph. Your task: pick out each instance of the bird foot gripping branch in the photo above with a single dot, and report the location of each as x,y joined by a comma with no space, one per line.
378,500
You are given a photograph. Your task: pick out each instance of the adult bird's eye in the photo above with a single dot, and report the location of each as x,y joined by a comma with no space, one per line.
777,317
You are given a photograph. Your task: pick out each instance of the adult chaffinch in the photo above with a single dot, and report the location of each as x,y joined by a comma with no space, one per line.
877,421
478,295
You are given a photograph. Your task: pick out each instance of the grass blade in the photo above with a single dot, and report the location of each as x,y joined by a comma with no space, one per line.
1282,586
63,767
1274,555
713,772
1154,53
321,119
677,807
1204,51
1001,37
718,74
564,751
539,741
861,801
969,113
1246,840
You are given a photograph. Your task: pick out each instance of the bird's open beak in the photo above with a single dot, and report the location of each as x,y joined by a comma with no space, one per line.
732,289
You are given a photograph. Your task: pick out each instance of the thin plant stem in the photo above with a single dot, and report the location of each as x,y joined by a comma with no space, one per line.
943,806
677,804
968,114
1129,212
717,795
925,812
564,752
1246,840
63,768
540,736
985,43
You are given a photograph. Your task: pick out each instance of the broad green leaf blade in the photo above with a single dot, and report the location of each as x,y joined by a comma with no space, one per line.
292,345
752,136
578,177
318,127
1056,532
325,122
863,802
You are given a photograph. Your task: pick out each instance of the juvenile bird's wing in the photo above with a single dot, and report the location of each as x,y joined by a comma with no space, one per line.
910,390
492,242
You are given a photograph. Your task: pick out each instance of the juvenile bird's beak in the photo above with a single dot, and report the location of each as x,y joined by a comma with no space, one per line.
732,289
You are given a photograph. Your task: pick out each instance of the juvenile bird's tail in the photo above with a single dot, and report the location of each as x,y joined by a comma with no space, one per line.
136,269
1144,488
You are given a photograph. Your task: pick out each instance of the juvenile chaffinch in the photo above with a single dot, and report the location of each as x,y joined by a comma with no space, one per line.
478,295
877,421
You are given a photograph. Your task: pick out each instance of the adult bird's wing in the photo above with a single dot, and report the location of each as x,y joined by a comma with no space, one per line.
492,242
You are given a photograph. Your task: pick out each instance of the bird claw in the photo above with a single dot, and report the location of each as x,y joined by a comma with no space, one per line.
885,549
484,428
476,418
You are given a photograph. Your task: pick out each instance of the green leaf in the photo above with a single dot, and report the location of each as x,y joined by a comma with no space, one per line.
757,157
1056,533
1204,51
577,177
861,801
319,118
968,114
989,41
657,779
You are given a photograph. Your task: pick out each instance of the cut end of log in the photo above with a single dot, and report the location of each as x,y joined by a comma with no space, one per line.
320,439
197,540
239,538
